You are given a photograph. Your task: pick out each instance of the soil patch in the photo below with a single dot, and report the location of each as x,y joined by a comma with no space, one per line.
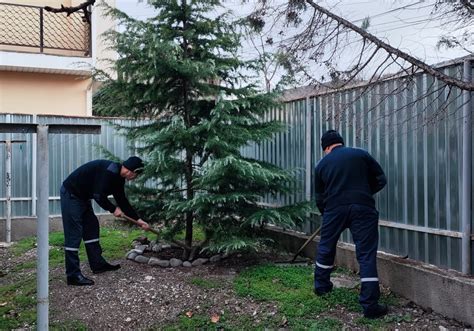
140,296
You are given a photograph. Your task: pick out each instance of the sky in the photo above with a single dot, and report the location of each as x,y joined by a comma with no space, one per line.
405,24
409,25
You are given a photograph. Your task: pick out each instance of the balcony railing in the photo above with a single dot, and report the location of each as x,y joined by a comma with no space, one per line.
33,29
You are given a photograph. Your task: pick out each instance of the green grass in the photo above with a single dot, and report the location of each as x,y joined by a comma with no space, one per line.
18,299
68,326
205,283
198,234
20,307
24,245
229,321
338,270
226,321
292,289
325,323
381,324
114,244
190,323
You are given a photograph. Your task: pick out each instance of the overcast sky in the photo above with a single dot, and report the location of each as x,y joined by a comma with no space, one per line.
410,25
406,24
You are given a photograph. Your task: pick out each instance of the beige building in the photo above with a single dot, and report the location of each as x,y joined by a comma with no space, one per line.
46,58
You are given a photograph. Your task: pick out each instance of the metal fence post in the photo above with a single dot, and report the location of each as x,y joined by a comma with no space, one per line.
8,184
34,156
42,132
43,228
466,172
41,30
308,126
8,187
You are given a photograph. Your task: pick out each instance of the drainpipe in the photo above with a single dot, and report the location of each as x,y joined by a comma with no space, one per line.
466,213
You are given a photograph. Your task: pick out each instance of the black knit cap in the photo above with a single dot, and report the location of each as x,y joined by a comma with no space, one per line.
331,137
134,163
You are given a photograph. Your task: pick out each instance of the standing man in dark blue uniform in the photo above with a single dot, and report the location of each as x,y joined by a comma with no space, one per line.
94,180
345,181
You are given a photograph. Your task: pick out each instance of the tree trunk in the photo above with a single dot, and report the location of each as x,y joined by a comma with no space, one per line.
188,240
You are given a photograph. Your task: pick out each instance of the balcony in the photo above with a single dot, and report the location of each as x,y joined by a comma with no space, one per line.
31,29
35,40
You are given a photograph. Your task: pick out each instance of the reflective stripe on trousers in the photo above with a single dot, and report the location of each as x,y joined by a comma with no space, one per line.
79,223
363,223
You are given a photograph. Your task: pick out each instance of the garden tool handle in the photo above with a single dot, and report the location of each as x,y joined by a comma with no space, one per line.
306,243
136,223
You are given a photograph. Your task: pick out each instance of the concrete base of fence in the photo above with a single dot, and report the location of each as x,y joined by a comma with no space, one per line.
444,291
23,227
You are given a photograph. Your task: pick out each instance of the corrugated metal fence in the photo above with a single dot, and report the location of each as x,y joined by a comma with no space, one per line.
413,127
66,153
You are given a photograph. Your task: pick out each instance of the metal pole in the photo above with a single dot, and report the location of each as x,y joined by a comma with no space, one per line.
8,187
8,184
466,172
42,268
89,41
43,228
308,126
41,31
34,154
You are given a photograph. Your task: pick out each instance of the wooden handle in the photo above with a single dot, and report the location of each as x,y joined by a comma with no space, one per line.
306,243
136,223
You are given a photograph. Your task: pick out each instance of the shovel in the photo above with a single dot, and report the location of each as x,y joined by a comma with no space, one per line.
136,223
292,261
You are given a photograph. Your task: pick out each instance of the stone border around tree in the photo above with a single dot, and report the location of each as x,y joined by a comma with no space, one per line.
136,255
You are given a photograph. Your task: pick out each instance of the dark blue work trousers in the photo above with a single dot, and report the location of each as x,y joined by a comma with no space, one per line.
79,223
362,221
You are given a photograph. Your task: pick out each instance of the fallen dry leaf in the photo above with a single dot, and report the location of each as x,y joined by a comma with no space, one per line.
189,314
215,318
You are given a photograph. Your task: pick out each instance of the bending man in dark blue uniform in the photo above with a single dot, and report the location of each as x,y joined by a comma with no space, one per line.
345,181
94,180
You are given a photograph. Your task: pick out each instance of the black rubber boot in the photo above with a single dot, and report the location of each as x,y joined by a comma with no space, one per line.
79,280
94,255
320,292
106,267
376,312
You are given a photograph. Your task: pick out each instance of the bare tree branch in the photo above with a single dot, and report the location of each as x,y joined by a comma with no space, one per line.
359,69
468,4
392,50
72,9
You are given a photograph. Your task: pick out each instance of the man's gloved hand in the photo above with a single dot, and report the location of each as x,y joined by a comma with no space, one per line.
144,225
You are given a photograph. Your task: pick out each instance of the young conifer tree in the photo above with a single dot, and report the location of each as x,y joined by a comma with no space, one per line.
180,70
